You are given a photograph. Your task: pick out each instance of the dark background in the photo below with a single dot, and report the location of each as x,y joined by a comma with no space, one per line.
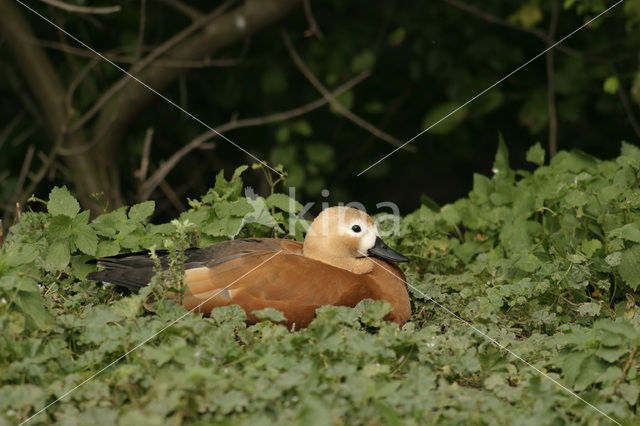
424,59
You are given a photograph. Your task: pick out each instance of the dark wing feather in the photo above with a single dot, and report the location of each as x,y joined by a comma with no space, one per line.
135,270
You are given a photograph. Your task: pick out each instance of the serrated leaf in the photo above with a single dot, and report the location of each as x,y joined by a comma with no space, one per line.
443,118
237,208
284,203
630,232
589,247
58,256
614,259
142,211
61,202
629,267
589,309
536,154
86,239
270,314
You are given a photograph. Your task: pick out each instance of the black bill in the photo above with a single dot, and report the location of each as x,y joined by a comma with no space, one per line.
383,251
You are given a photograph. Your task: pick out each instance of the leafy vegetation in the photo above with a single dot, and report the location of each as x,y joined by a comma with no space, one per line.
547,263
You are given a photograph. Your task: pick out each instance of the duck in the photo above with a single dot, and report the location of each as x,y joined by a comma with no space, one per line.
341,262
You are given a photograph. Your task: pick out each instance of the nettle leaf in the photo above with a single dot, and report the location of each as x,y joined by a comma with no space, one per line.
629,391
629,267
589,247
61,202
284,203
630,232
142,211
270,314
589,309
86,239
237,208
58,256
536,154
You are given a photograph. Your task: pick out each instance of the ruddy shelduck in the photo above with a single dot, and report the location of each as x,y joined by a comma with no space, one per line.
342,261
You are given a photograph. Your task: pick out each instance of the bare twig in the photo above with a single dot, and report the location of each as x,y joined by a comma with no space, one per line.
8,128
551,95
146,150
160,50
77,80
154,180
492,19
206,62
26,165
82,9
335,104
183,8
625,369
313,25
172,196
141,27
625,102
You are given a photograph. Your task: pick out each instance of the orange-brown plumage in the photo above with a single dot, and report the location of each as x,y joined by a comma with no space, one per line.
331,268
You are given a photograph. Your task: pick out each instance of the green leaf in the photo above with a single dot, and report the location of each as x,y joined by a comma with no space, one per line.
86,239
629,267
270,314
443,118
501,162
142,211
61,202
345,99
589,309
630,232
611,85
590,247
284,203
58,256
364,61
397,37
31,304
629,391
528,15
237,208
536,154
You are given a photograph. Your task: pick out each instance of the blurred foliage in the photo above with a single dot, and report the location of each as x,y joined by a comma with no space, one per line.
426,59
544,262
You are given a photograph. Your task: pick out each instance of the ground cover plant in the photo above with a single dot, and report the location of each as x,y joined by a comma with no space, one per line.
547,263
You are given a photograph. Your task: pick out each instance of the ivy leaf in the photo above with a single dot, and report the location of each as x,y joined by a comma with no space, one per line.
61,202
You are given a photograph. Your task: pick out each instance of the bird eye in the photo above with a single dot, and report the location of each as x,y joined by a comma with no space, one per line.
356,228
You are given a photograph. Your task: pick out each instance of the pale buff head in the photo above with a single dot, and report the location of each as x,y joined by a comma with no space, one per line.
342,237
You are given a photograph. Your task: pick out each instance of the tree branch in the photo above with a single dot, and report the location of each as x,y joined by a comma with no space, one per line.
551,90
82,9
335,104
492,19
159,175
